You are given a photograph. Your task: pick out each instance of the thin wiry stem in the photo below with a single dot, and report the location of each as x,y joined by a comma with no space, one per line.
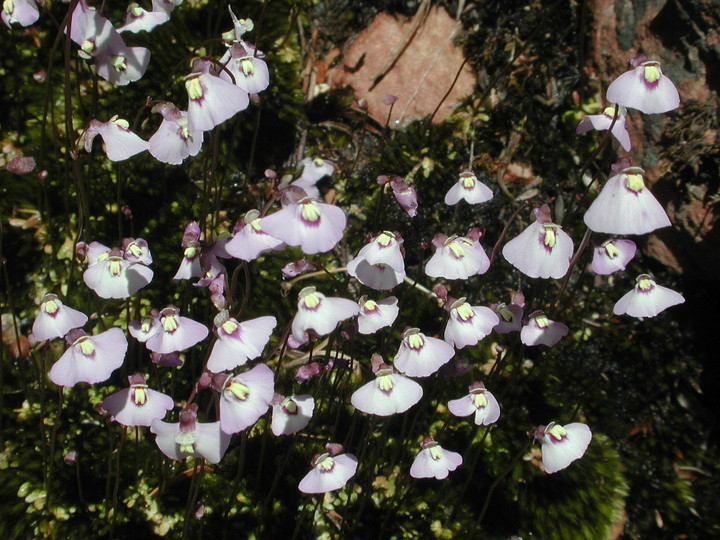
500,477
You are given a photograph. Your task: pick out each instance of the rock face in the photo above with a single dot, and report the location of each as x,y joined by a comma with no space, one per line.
683,36
414,59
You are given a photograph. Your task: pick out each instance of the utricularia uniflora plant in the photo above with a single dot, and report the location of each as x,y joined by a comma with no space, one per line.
364,337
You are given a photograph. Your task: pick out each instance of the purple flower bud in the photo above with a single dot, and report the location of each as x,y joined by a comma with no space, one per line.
21,165
405,195
70,458
292,269
166,360
81,250
307,371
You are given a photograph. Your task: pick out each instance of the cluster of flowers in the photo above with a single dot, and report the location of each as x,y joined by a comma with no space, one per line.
217,90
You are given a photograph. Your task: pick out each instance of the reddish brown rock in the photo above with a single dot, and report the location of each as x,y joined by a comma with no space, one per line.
683,37
420,76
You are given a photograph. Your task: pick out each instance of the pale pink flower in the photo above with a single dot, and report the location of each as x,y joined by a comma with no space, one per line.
647,299
320,313
379,264
561,445
331,470
249,240
612,256
95,34
190,265
136,250
238,342
291,414
165,5
644,88
110,275
388,394
542,250
479,402
244,398
55,319
376,315
421,356
123,66
313,171
468,324
173,141
176,333
211,100
240,27
247,67
625,205
120,142
137,405
90,359
433,461
190,438
510,317
146,327
540,330
457,257
23,12
137,19
603,121
313,226
468,187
